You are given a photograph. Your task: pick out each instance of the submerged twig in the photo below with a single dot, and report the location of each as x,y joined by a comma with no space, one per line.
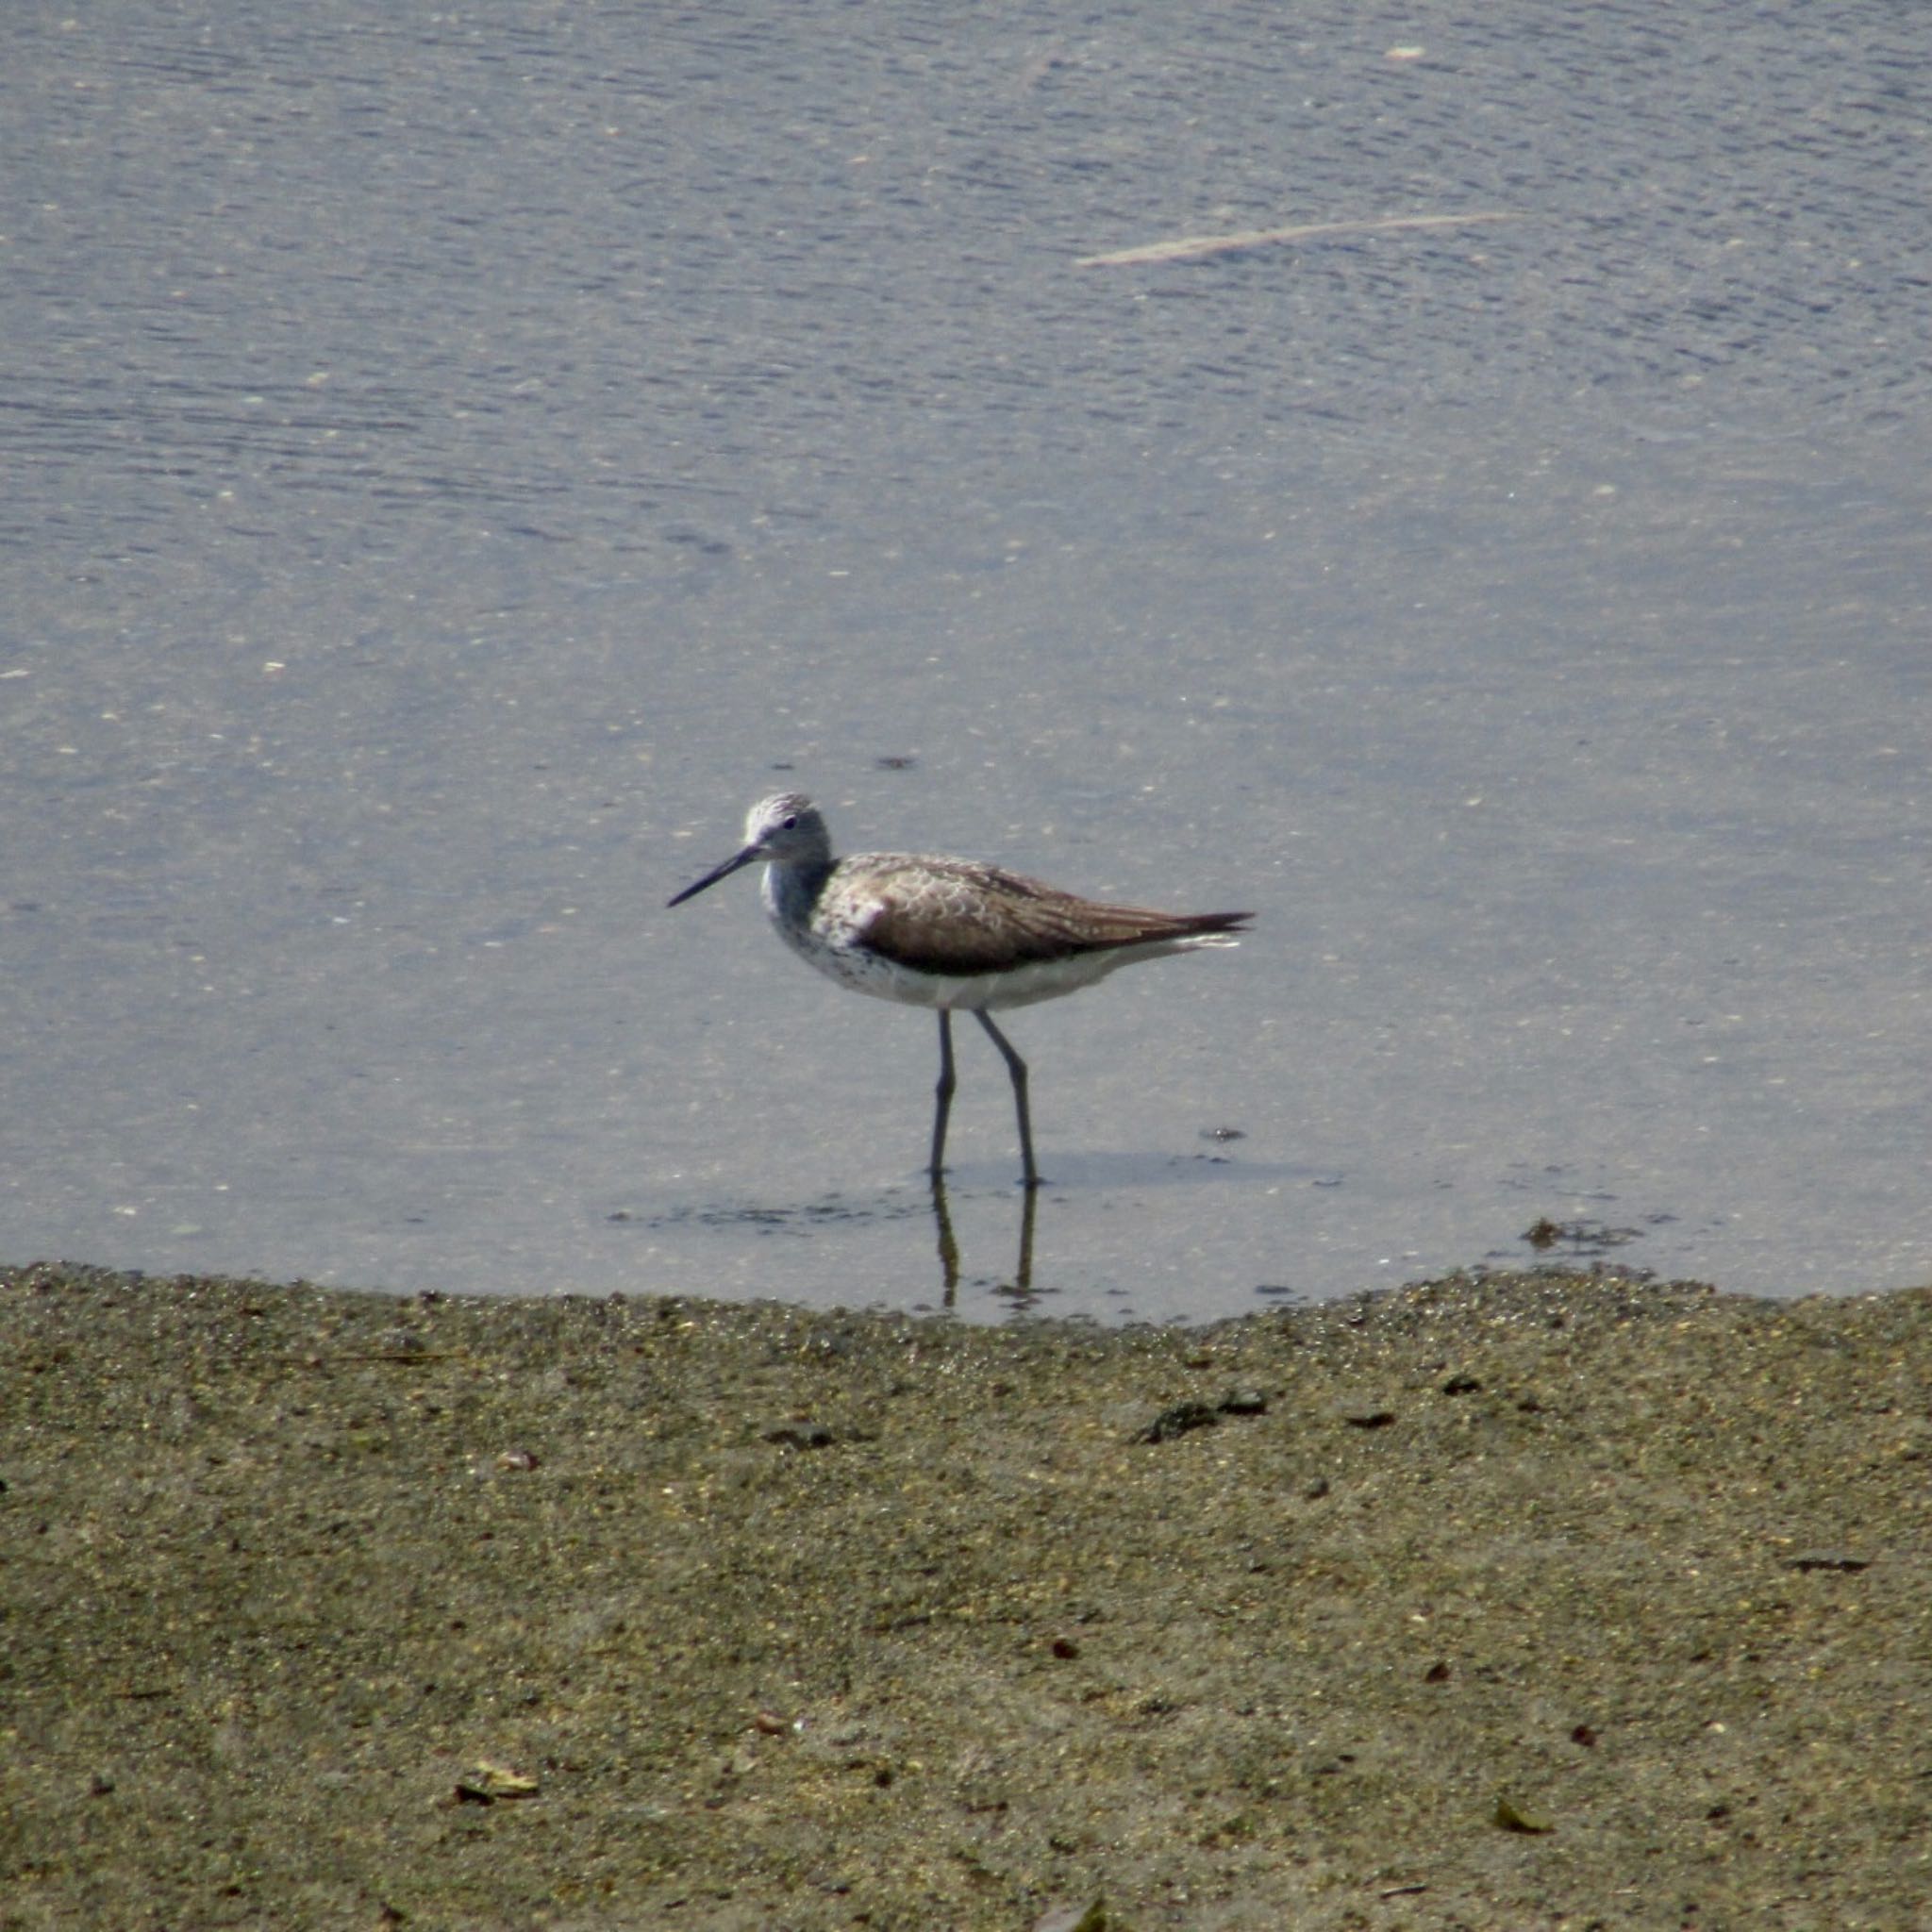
1190,246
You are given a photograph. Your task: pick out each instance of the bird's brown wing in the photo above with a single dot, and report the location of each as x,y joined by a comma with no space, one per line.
952,916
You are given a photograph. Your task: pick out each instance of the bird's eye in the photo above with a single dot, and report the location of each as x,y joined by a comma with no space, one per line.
789,821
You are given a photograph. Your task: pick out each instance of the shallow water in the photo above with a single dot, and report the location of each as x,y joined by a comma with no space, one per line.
456,465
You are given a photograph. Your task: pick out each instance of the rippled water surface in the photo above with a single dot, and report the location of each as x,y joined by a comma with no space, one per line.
455,462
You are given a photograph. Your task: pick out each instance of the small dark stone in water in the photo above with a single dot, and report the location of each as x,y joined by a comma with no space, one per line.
1591,1236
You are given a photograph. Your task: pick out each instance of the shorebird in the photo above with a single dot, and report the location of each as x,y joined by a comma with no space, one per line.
950,934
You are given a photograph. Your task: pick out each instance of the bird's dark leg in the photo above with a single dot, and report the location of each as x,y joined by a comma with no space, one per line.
943,1096
1017,1068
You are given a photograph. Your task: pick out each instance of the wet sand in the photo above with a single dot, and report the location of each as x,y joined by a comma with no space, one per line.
1511,1601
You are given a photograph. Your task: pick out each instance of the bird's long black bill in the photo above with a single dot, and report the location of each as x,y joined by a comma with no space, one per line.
712,878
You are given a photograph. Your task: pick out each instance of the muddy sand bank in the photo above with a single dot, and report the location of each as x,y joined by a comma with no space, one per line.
1528,1600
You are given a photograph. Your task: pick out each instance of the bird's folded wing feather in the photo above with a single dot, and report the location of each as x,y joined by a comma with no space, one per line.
940,916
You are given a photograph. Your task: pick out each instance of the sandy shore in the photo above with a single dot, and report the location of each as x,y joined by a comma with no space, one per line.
1551,1600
